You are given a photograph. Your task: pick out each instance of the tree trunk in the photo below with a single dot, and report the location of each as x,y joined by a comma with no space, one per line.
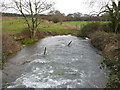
33,34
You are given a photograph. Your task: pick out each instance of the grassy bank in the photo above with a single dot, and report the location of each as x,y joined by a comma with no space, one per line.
109,44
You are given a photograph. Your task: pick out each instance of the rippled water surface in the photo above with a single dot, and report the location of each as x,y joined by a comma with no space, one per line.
74,66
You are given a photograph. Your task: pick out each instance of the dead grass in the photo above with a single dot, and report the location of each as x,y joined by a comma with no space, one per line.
69,26
9,45
109,43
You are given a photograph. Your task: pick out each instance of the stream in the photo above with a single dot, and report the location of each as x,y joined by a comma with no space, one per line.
73,66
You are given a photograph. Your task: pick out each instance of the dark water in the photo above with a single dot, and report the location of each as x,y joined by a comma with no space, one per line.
74,66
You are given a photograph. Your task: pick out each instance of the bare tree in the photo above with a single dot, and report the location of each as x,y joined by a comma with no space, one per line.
33,8
114,13
112,8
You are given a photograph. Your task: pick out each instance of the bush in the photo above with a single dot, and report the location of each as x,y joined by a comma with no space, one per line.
114,65
56,20
98,40
89,29
109,28
106,42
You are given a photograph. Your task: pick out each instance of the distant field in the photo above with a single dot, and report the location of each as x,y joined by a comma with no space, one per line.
17,25
81,24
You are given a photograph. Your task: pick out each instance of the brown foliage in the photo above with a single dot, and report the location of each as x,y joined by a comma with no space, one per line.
108,43
9,45
89,29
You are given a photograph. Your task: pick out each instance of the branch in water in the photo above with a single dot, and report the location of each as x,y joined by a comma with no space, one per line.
45,51
69,43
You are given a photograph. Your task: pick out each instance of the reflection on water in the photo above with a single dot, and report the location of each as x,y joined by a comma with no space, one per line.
74,66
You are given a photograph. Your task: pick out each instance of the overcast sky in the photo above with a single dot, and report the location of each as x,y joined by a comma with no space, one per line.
71,6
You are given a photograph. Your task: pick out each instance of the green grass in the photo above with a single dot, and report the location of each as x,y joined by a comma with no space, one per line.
55,27
81,24
17,25
28,41
13,26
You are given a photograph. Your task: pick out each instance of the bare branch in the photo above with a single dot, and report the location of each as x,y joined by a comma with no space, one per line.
33,8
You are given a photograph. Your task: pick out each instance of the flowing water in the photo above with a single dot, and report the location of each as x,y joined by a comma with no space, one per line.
73,66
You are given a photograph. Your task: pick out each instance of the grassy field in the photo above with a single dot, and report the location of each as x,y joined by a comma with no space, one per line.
81,24
13,26
17,25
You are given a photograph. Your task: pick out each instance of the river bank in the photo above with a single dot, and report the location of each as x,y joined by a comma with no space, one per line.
109,44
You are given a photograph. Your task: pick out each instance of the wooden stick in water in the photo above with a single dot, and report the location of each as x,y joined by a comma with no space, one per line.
69,43
45,51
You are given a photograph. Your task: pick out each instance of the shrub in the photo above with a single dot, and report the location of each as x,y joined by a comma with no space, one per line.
114,65
109,28
98,40
89,29
106,41
56,20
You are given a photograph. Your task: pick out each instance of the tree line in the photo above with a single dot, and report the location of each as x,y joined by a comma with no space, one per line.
60,17
13,15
